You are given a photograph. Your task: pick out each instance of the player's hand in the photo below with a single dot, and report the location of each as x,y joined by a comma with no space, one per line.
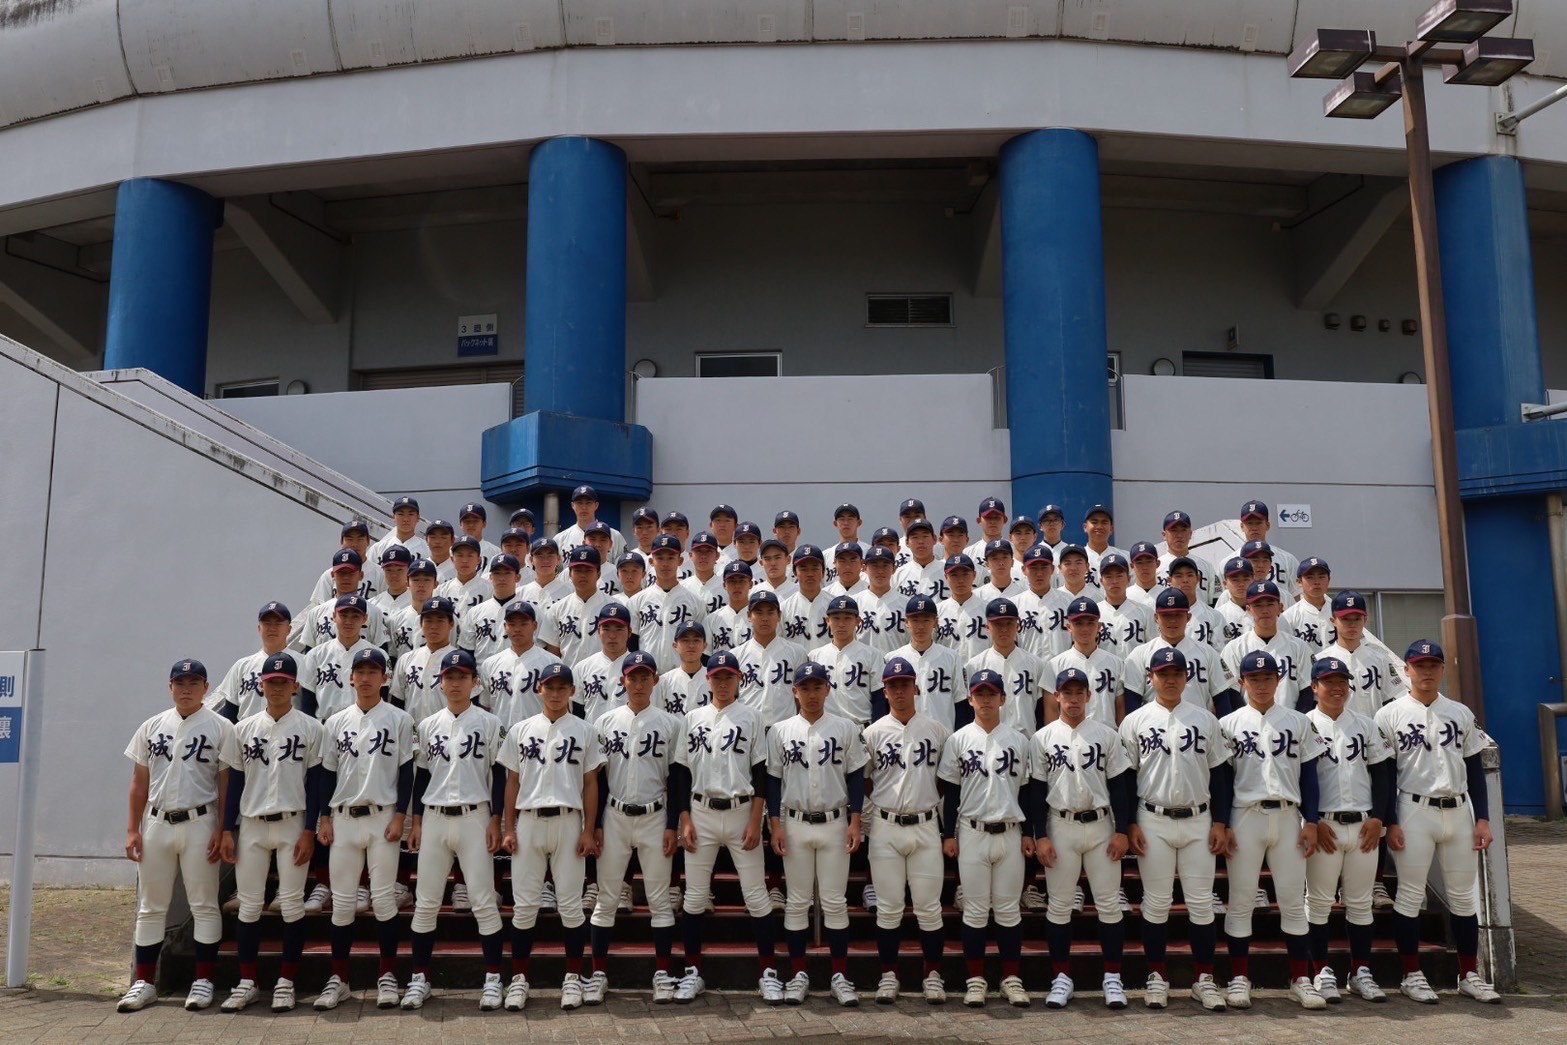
1136,840
1483,836
670,842
1117,847
415,834
304,848
1045,851
1307,843
215,847
748,841
586,845
492,835
598,839
780,847
1327,837
688,834
1370,834
1395,838
855,835
133,846
1221,840
324,831
509,841
1029,849
227,847
949,848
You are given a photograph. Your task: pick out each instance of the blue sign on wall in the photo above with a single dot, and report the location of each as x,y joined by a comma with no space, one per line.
478,336
10,716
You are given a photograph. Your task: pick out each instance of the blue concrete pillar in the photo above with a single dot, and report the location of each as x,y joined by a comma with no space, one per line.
1494,347
1053,278
160,283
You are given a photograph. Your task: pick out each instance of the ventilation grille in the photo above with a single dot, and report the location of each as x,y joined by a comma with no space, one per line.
908,310
1226,364
424,377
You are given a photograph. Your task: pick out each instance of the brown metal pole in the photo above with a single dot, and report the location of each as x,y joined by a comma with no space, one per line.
1459,635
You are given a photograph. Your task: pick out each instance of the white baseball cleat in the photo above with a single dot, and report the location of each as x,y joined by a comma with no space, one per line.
595,988
974,992
1012,990
332,995
403,895
140,995
460,901
244,993
843,991
1304,991
1415,987
868,897
386,993
1206,991
571,991
1472,986
664,987
417,993
776,898
490,995
691,986
887,988
1326,981
516,993
1079,901
796,989
547,897
283,996
1060,992
320,899
1156,992
1033,899
626,898
935,989
770,987
1363,985
1238,994
1115,991
361,900
200,995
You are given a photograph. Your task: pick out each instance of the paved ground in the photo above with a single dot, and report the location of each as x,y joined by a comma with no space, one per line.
81,959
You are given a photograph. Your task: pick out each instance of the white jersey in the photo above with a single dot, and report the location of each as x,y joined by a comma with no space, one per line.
710,591
728,628
573,627
404,634
814,760
1209,587
1042,627
415,544
1267,749
1206,675
1093,565
390,604
1293,657
990,768
1023,673
366,749
1077,765
325,671
1284,567
1206,626
1312,625
458,751
465,595
992,589
482,629
1237,621
1374,678
527,674
912,579
1431,744
657,615
856,674
835,587
542,596
783,589
599,684
638,748
804,620
961,627
1125,627
902,760
609,581
1104,670
241,686
326,588
1147,596
881,619
182,757
498,677
415,686
552,759
1173,752
722,746
314,626
274,755
1351,745
767,677
572,536
679,693
487,553
940,681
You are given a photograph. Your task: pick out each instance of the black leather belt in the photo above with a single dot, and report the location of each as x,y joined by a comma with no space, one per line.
358,812
723,805
998,827
273,818
1274,803
549,811
178,816
906,819
1438,803
1345,818
1177,812
823,816
1087,816
451,810
633,809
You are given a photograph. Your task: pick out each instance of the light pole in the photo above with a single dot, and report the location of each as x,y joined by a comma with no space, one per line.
1450,34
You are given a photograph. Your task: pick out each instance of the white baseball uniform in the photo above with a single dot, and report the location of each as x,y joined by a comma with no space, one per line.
315,626
326,588
458,751
990,769
678,692
657,615
1311,624
1077,764
1237,621
599,685
1293,657
1375,678
366,749
856,674
767,677
527,672
415,544
274,755
573,629
1093,567
1351,745
1024,676
813,760
542,596
325,672
722,748
404,634
1043,630
881,619
962,627
710,591
573,535
389,604
912,579
904,846
804,620
415,685
728,628
241,686
638,747
940,680
1147,596
1208,586
1015,586
1125,627
1206,625
465,595
1104,670
1206,675
481,629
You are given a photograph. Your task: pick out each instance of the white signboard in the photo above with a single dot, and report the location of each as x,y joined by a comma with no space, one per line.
1294,516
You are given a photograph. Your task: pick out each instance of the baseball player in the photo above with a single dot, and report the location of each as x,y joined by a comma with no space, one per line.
1124,623
176,794
1021,671
1255,525
552,804
854,669
992,519
718,783
404,633
1077,572
1181,814
272,758
639,742
1210,684
626,577
768,662
239,694
469,586
1273,750
924,573
458,785
848,570
1042,607
473,517
416,687
438,538
786,530
1443,813
676,525
1178,541
910,510
509,680
748,543
481,630
986,767
1355,788
805,610
729,626
659,610
644,527
1290,655
570,629
705,582
903,753
815,791
1206,625
1310,618
405,531
775,570
1001,568
1144,559
889,538
1023,534
1376,678
355,537
1082,798
722,521
585,505
314,625
952,536
1102,669
960,617
394,561
684,687
548,583
325,669
514,542
1231,606
1098,526
598,676
847,521
938,672
1260,555
523,519
881,607
366,786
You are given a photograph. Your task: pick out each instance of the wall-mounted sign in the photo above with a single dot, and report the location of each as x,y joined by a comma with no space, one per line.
1295,516
478,336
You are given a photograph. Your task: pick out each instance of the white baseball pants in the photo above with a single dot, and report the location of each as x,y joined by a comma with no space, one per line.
357,842
1271,836
461,838
1446,835
622,835
170,849
548,842
1080,848
1348,871
258,840
1176,847
816,858
990,869
724,829
906,855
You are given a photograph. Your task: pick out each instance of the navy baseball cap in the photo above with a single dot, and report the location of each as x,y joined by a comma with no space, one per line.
1112,561
703,539
438,524
1039,553
396,555
986,679
1099,509
598,526
644,513
281,666
613,613
354,603
1254,510
521,514
773,542
346,559
690,627
191,669
960,561
465,541
721,510
505,561
1184,562
1238,566
898,668
1260,662
880,554
1072,549
848,550
1313,563
1251,548
1261,590
1001,609
997,546
786,518
1424,649
748,529
912,506
585,555
676,519
369,656
440,604
1329,667
557,671
544,544
1176,518
953,522
922,523
355,526
737,569
666,542
991,506
638,660
1020,521
473,508
843,604
1081,608
920,605
808,551
274,609
458,660
1143,550
1172,600
811,671
762,598
423,568
1049,510
722,661
1071,675
519,608
1348,601
406,502
885,533
845,509
516,533
584,493
1168,659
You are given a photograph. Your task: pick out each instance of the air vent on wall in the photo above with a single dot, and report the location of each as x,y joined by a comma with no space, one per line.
908,310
